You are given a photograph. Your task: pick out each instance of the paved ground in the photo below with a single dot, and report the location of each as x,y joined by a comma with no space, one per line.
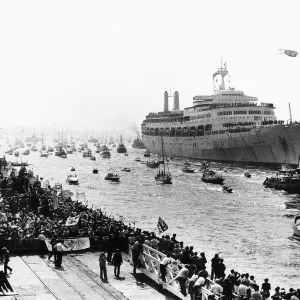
36,278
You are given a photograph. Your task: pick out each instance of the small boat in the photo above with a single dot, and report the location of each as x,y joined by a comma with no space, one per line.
17,153
72,179
187,169
34,148
50,149
147,153
163,176
44,154
112,177
152,164
296,227
26,152
209,176
126,169
247,174
121,147
19,164
137,159
126,154
95,171
87,153
93,158
227,189
73,169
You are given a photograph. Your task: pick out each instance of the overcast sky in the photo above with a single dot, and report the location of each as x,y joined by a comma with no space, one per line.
106,64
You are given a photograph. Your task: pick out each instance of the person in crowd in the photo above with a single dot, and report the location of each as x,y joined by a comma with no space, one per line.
102,265
294,295
242,290
136,251
220,269
252,281
266,287
5,286
201,281
192,281
277,295
228,287
173,239
42,240
256,295
163,266
182,277
214,262
216,288
186,257
6,260
59,253
201,263
53,242
117,261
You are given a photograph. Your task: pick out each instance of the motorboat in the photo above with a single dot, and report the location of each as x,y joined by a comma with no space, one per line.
210,176
73,169
26,152
152,164
44,153
50,149
247,174
34,148
187,168
126,154
137,159
112,177
296,227
105,154
121,147
92,158
95,171
87,153
147,153
72,179
17,153
227,189
126,170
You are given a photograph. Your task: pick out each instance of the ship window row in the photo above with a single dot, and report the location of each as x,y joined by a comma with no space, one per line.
240,112
224,113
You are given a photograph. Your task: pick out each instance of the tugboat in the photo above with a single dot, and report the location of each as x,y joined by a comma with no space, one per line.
121,147
209,176
152,164
138,143
285,179
187,168
112,177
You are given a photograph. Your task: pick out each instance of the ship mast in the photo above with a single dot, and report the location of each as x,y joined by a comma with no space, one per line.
223,72
291,120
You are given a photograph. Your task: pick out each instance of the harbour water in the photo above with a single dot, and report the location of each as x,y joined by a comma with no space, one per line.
250,228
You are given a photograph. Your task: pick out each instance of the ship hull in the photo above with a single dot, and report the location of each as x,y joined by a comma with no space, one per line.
277,144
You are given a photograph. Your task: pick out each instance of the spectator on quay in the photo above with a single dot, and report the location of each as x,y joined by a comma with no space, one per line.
220,269
214,262
228,288
246,279
102,265
136,251
59,253
177,251
256,295
266,287
173,239
242,290
53,242
6,260
201,262
201,281
182,277
216,288
277,295
117,261
186,257
193,279
163,266
294,296
252,281
42,243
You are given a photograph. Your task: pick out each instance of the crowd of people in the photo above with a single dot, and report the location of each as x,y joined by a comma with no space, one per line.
32,210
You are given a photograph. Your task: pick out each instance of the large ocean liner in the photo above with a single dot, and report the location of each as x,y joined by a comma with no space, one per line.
226,126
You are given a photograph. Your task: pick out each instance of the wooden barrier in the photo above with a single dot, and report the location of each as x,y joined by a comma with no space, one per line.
151,258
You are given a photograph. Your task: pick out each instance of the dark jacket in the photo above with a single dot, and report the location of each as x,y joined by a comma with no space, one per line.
117,259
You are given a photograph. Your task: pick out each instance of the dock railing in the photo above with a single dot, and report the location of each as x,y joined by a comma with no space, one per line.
151,259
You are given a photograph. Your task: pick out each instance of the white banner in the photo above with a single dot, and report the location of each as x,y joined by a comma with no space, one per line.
72,244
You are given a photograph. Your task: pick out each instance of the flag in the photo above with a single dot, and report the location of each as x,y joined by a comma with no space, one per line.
290,53
161,225
71,221
55,200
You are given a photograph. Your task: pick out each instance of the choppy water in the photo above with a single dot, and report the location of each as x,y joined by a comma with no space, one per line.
250,228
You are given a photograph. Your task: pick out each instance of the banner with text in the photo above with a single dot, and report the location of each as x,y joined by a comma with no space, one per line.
72,244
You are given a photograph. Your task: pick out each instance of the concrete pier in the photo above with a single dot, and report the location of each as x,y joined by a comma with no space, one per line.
35,278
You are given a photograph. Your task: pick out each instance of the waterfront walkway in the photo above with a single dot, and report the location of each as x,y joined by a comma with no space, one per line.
36,278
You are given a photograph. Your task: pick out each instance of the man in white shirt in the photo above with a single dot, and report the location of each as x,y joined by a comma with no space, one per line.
59,251
182,277
163,266
216,288
201,281
42,240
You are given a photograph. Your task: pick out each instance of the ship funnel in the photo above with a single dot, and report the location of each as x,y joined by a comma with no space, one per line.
176,101
166,102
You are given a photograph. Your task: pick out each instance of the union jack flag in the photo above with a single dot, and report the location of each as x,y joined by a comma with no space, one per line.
161,225
290,53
